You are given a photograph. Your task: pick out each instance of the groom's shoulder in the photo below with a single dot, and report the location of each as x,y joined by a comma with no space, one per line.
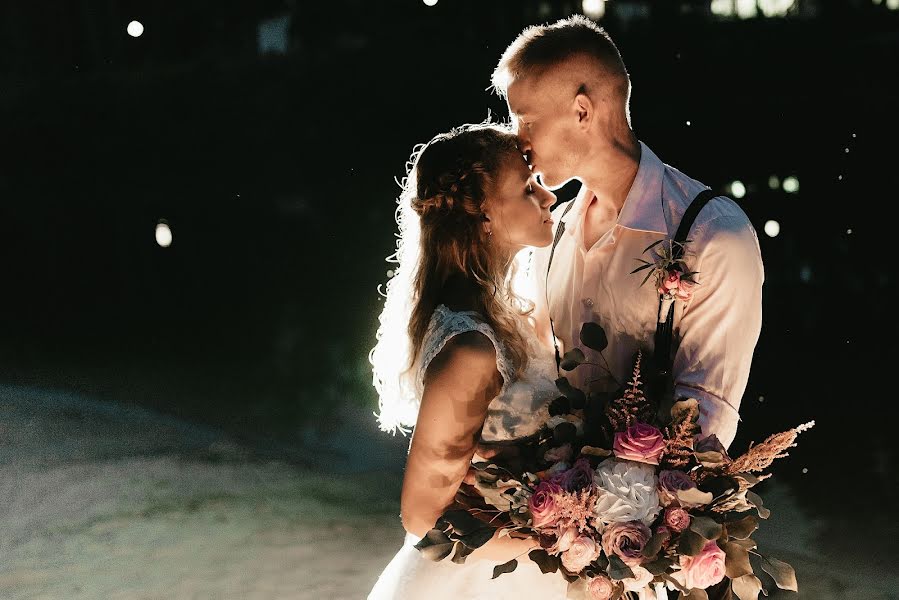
679,191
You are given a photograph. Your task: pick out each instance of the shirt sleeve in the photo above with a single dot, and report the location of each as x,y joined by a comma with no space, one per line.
720,325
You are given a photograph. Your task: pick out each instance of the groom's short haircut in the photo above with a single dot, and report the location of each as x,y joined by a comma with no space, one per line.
543,46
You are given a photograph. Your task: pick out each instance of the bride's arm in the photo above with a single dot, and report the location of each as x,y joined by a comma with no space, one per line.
459,385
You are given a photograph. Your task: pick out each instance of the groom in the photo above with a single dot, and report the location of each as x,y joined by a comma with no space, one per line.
568,92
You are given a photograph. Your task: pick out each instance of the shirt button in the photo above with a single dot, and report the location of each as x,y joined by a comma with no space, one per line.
588,302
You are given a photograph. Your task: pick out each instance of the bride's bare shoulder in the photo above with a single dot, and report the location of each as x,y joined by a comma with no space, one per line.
467,357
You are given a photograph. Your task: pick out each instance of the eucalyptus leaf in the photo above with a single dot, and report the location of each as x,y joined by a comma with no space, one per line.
437,552
782,573
504,568
736,560
478,538
652,547
432,538
547,562
577,397
746,587
658,566
743,528
757,501
462,521
690,543
572,359
594,336
617,569
461,553
706,527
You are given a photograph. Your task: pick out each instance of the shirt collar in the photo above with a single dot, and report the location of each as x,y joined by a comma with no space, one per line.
642,209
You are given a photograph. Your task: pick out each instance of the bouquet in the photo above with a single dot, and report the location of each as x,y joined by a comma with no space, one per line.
623,496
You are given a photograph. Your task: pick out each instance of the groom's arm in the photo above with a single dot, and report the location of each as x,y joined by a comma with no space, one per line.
720,326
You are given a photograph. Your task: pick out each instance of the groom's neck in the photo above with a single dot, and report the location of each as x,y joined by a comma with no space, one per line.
610,170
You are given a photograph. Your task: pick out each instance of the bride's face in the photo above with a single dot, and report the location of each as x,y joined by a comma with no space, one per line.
518,209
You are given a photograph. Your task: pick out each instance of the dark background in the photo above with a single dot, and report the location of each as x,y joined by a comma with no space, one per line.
275,171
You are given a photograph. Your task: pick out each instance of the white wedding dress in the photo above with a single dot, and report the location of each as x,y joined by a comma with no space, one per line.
517,412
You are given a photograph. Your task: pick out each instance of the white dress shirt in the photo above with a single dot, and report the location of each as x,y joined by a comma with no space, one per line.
714,333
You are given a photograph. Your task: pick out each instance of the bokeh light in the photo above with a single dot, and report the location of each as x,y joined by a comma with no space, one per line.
135,29
791,185
594,9
774,182
772,228
429,2
163,234
737,189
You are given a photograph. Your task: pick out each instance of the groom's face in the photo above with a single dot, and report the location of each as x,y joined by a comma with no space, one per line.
546,124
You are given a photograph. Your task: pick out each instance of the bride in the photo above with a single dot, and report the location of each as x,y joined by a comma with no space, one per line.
457,355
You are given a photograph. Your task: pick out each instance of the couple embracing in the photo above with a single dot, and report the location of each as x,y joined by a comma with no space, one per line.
469,359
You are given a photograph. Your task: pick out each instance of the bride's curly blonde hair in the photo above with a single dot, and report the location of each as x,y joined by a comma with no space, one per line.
442,240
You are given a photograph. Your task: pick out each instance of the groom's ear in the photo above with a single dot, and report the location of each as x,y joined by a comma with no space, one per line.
584,107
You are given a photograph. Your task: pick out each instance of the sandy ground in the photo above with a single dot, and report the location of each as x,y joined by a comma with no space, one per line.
107,502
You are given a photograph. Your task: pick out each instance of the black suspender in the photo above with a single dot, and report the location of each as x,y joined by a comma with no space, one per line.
664,331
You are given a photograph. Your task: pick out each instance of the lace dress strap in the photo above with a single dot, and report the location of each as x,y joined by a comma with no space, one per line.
445,325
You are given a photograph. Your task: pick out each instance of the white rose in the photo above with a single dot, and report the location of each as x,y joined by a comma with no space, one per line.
626,491
640,580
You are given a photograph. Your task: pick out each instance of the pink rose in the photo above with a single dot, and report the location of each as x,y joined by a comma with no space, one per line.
542,503
684,290
703,570
676,518
671,282
581,553
627,541
562,453
600,588
670,482
564,540
640,442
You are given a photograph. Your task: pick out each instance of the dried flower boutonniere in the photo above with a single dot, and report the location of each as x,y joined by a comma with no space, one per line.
673,280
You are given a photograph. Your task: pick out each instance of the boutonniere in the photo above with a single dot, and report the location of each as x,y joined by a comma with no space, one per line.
672,277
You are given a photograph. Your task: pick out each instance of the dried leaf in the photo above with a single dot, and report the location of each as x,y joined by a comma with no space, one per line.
736,561
782,573
746,587
756,500
695,594
690,543
743,528
706,527
694,496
